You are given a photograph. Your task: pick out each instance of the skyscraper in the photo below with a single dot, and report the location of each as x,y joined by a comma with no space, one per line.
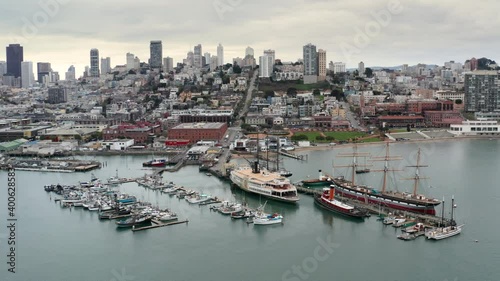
339,67
42,69
197,59
361,68
168,64
321,64
208,58
266,64
70,74
105,65
270,53
190,59
14,58
214,63
249,52
130,61
3,68
482,91
94,63
156,54
220,55
310,60
27,76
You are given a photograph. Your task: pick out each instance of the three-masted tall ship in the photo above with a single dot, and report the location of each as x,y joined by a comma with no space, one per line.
412,202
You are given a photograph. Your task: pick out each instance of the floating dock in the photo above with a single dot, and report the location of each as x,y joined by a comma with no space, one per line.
157,224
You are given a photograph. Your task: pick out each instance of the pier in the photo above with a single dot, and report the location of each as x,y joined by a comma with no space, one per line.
157,224
52,165
293,156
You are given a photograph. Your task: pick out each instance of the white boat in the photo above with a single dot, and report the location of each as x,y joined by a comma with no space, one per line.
389,220
168,217
440,233
399,222
263,182
170,189
93,208
267,219
198,198
115,180
231,208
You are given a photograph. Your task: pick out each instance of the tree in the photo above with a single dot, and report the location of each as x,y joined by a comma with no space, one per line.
368,72
320,138
330,138
236,69
408,128
269,94
316,92
458,101
299,138
291,92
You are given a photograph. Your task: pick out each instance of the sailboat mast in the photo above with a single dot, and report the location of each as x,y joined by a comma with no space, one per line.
452,207
386,167
442,213
417,177
354,164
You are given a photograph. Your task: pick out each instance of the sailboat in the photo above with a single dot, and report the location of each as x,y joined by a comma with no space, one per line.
114,180
412,202
445,231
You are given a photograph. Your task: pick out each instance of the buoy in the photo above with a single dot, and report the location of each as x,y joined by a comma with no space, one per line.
476,241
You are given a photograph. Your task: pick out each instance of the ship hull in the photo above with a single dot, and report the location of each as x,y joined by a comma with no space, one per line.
338,210
384,201
316,183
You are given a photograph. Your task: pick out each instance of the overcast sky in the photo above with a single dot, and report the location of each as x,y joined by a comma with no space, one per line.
425,31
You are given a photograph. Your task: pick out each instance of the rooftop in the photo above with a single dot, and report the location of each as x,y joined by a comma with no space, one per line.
197,126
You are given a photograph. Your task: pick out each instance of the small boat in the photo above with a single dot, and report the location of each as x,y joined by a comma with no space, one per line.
285,173
168,217
419,227
267,219
322,181
208,174
243,214
127,200
91,183
407,236
197,199
440,233
93,208
362,171
399,222
389,220
233,208
133,221
170,189
114,180
155,163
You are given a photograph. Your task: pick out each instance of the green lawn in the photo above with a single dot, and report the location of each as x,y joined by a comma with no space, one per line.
311,135
342,136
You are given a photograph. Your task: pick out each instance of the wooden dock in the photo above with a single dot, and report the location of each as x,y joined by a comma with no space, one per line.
87,168
157,224
293,156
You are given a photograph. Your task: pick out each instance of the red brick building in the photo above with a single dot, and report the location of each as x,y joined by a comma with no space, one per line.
401,121
140,132
443,118
195,132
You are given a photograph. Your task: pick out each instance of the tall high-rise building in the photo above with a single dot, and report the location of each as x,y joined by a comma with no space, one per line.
214,63
482,91
70,74
208,58
220,55
190,59
27,76
361,68
105,65
168,64
321,64
94,63
57,95
3,68
42,69
156,54
310,60
137,63
249,52
339,67
266,64
15,55
130,61
270,53
197,59
404,68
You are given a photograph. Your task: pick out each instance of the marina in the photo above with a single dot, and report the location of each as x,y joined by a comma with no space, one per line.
307,221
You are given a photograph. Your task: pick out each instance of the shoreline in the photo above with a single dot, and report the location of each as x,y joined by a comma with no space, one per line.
329,147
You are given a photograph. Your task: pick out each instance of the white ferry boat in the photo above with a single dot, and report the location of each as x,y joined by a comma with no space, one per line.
263,182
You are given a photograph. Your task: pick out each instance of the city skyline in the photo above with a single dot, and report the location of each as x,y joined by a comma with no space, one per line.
418,32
